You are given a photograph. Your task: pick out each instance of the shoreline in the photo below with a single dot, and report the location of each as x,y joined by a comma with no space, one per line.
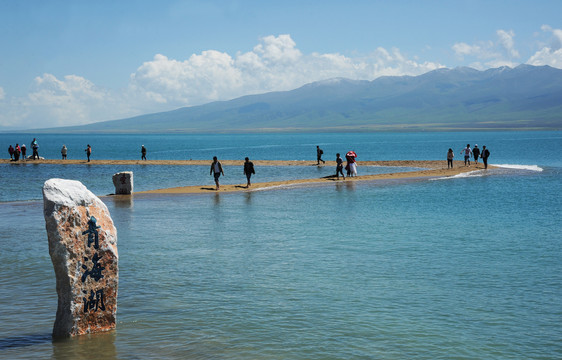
426,169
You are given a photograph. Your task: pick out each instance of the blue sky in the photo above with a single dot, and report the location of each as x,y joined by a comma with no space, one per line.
76,62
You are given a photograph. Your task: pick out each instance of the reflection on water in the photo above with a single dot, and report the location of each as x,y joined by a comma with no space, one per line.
91,346
122,201
248,197
217,199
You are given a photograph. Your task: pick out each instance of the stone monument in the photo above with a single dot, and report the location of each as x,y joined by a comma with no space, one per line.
123,182
83,249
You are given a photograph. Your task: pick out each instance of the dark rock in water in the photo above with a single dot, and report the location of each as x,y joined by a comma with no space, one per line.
123,182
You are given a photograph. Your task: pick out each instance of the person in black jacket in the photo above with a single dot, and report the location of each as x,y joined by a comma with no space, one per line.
248,170
485,155
319,153
476,153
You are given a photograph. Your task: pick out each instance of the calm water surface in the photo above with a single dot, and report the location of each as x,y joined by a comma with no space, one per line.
464,268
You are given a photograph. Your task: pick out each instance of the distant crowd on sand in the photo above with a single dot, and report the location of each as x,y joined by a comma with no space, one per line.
467,152
21,151
217,170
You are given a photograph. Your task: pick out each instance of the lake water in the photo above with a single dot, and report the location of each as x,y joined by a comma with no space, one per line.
461,268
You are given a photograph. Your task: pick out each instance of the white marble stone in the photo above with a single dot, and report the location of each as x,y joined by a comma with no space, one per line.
83,249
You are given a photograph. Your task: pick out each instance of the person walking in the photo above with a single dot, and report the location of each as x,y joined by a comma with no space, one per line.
143,152
216,170
319,153
88,152
248,170
485,155
466,152
35,147
476,153
63,152
450,156
339,166
23,151
11,152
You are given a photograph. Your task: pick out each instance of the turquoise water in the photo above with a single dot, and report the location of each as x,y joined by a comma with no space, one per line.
461,268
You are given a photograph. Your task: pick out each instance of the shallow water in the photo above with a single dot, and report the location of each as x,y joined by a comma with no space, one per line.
98,178
469,267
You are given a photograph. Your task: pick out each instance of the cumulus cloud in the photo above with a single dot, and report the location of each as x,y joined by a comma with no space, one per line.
72,100
486,54
550,54
275,64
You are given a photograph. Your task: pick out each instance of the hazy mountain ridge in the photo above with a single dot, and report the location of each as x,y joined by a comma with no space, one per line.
525,97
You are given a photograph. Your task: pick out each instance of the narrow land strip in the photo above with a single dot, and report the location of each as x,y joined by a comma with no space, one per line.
427,168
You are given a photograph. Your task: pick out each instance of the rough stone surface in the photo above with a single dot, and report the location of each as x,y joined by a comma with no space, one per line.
123,182
86,270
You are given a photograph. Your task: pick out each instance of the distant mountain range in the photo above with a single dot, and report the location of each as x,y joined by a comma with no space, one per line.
525,97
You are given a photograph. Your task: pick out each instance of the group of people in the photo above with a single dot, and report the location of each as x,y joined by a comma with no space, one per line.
21,151
467,152
217,171
351,166
16,152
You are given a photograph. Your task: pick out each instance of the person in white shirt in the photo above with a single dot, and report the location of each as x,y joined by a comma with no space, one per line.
216,169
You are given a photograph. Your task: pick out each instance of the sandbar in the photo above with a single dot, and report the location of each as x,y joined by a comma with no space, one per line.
427,169
422,169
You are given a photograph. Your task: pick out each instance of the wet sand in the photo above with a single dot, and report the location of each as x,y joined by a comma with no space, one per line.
428,168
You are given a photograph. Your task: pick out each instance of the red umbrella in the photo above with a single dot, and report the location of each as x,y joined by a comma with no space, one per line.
351,154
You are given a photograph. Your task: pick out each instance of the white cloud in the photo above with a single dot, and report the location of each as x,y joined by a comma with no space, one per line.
463,49
506,40
72,100
2,93
494,54
556,40
549,55
274,64
278,50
